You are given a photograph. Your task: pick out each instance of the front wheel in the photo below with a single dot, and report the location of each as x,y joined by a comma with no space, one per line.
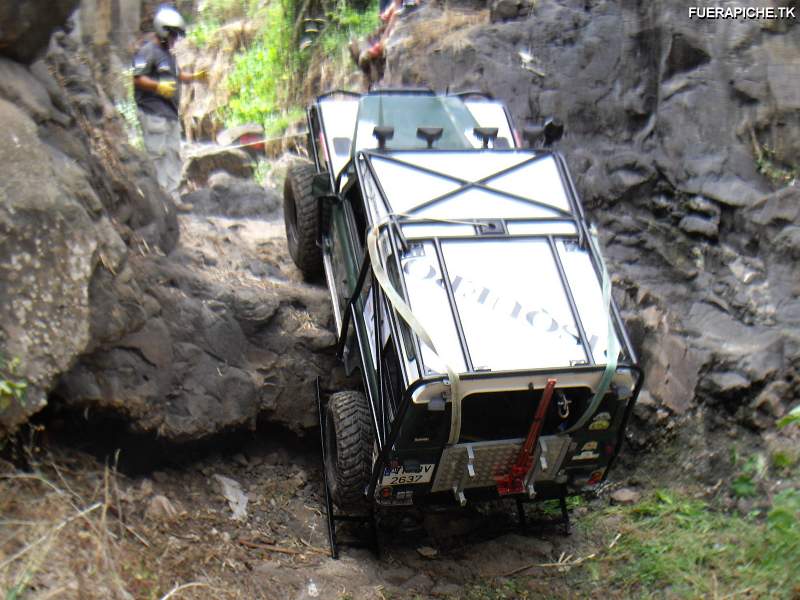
348,448
301,217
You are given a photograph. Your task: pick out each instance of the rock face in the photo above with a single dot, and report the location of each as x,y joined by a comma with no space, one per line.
104,311
25,26
226,337
73,196
206,160
505,10
234,197
202,102
666,121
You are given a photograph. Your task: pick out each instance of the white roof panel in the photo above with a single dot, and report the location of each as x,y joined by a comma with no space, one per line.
512,304
525,188
539,180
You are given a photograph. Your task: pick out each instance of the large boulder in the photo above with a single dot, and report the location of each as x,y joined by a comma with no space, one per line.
234,197
48,246
228,336
73,195
103,311
203,161
26,25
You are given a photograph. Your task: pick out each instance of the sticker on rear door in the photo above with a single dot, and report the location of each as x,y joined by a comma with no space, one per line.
400,476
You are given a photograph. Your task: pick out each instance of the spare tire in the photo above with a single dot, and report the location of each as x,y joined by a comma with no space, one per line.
301,217
348,439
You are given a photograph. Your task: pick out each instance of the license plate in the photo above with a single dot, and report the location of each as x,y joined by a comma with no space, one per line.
399,476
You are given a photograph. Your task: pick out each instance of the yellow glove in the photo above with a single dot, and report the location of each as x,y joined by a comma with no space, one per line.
166,89
201,75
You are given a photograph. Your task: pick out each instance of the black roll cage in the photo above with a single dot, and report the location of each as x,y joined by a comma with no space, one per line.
388,419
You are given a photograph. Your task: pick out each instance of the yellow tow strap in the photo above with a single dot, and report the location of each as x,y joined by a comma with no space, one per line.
404,310
612,345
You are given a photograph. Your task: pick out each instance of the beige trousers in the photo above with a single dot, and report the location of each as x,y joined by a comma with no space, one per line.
162,140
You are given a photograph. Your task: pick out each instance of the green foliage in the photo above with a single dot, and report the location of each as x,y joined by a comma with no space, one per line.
14,593
201,33
266,78
261,79
792,417
345,23
783,461
215,13
262,170
128,110
777,174
12,387
744,485
222,11
682,547
277,123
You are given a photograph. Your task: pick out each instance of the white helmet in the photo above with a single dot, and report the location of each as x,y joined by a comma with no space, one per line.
168,20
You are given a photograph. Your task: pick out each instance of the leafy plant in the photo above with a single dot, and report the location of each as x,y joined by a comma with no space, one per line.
201,33
344,23
777,174
262,170
12,387
783,461
261,79
277,124
792,417
228,10
744,485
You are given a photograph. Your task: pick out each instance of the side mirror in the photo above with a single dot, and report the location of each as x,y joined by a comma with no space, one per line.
551,131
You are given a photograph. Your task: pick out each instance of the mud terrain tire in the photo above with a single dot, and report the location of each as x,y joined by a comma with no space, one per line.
301,217
348,448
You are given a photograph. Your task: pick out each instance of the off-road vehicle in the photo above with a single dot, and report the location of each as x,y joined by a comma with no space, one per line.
470,294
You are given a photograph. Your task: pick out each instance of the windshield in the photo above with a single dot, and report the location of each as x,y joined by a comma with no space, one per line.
407,112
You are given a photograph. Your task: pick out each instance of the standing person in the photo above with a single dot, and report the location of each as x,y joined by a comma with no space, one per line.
156,83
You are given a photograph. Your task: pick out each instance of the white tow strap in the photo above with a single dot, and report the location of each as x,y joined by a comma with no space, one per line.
612,345
404,310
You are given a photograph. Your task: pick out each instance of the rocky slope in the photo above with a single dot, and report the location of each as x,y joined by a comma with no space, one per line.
188,325
101,303
74,199
667,121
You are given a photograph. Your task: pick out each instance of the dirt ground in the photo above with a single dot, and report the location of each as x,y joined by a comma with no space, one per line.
84,521
73,527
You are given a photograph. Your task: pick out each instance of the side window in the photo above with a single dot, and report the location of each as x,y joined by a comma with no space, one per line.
319,141
359,216
405,333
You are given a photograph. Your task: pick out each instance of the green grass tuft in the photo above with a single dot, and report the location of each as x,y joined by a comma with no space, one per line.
680,547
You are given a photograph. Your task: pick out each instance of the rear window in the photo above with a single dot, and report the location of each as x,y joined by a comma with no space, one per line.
407,112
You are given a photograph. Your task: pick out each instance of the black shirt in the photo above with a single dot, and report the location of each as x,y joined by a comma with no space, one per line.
156,63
